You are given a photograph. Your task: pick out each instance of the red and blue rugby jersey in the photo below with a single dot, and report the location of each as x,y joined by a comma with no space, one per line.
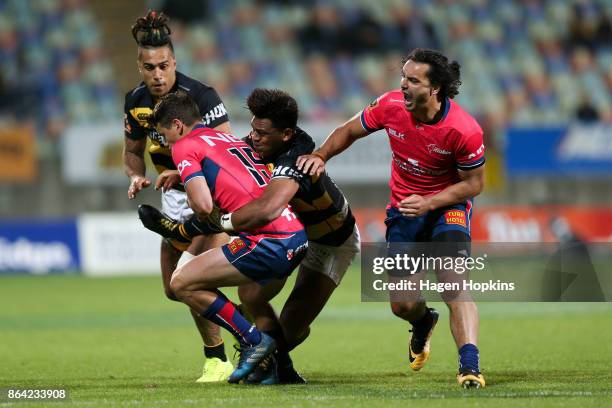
233,172
425,157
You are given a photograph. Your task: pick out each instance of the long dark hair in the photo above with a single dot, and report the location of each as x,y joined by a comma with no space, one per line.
442,72
152,31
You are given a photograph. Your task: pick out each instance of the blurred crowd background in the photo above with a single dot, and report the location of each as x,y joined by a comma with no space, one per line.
63,63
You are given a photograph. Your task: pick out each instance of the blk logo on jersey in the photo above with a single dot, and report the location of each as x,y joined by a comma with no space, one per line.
397,134
455,217
182,166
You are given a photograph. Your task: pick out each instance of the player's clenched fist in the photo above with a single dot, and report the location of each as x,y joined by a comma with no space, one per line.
414,205
137,183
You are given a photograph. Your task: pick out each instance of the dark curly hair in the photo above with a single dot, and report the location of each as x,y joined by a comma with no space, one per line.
276,105
441,72
152,31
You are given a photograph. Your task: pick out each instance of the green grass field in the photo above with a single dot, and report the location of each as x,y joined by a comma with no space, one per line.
119,342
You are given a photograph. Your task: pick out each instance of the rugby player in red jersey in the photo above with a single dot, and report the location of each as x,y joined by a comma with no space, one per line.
333,237
219,170
436,170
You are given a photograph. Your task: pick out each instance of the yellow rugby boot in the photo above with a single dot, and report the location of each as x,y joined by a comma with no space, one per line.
215,370
419,342
470,379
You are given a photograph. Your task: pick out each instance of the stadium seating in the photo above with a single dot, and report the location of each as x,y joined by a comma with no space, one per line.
527,62
531,62
51,56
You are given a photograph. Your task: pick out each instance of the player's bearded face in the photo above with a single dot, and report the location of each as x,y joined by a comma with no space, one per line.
158,69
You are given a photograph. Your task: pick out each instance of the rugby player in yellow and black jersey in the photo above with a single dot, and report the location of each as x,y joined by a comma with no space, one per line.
139,103
333,237
157,65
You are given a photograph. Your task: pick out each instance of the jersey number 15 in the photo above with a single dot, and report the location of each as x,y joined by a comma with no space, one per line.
250,161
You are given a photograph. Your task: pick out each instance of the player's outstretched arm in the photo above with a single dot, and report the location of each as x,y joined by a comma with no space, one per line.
471,184
134,165
268,207
338,141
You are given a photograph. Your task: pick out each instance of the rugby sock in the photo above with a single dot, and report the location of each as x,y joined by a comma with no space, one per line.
217,351
190,228
468,357
223,313
424,319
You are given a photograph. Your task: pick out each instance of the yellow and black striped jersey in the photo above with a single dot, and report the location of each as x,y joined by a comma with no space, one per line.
139,104
319,202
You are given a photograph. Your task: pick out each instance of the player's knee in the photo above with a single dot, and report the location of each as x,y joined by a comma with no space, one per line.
170,294
398,309
167,289
248,295
404,310
178,286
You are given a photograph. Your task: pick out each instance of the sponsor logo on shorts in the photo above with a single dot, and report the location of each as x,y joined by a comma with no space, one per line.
302,247
236,245
291,253
456,217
